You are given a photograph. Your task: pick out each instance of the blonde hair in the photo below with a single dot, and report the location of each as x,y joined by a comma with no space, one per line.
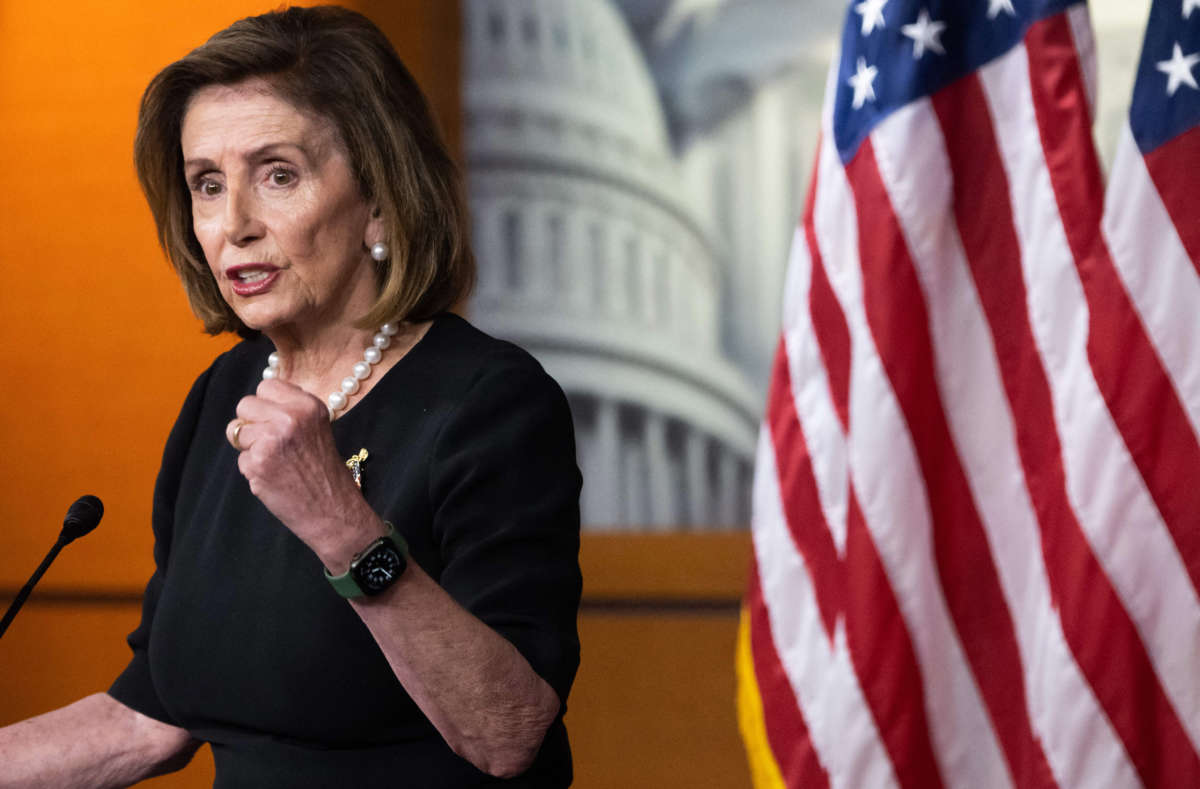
337,64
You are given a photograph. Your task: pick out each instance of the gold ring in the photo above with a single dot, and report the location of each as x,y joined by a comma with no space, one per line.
233,437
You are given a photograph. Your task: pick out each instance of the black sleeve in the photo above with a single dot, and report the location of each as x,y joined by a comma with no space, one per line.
133,687
505,490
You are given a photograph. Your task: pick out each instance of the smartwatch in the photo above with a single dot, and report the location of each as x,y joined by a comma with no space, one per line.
374,568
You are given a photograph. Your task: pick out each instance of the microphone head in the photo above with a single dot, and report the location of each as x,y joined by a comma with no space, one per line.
82,517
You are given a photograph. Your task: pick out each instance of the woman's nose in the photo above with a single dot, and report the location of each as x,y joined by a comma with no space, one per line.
241,222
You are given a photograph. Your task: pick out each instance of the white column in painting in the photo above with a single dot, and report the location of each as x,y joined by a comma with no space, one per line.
487,236
729,493
512,249
535,263
583,410
632,292
694,331
663,514
555,249
635,493
660,311
608,460
616,267
741,489
676,280
599,276
647,282
576,268
695,459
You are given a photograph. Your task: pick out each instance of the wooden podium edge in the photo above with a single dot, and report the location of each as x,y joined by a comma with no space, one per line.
621,571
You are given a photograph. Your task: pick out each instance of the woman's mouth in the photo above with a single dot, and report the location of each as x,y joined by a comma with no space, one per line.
251,279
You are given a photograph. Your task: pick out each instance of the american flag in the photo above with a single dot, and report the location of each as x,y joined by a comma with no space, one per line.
977,497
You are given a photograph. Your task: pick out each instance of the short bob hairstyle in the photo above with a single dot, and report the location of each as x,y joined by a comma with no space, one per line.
336,64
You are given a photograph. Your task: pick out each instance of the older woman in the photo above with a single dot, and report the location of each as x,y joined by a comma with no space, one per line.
366,521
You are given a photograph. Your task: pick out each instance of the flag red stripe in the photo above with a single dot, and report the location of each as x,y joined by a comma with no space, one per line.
884,660
787,733
1127,369
896,313
828,320
1093,618
1134,385
1173,168
880,646
801,502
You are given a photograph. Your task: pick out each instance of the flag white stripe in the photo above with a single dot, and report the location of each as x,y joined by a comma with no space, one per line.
811,394
839,723
972,390
1085,45
891,491
1103,484
1157,272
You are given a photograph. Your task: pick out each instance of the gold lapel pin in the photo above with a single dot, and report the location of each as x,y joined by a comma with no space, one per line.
355,465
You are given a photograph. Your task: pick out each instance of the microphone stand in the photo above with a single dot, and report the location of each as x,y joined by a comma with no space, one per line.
82,517
23,595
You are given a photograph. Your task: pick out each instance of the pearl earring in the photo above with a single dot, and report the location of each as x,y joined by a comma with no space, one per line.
379,252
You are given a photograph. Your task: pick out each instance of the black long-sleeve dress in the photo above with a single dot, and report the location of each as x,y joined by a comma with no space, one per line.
244,643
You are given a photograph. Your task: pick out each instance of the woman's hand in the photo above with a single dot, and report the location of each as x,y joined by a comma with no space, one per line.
95,742
287,454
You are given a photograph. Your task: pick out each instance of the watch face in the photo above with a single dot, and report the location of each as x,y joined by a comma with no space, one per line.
376,571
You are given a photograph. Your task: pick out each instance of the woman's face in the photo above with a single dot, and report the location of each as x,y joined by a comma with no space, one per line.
277,210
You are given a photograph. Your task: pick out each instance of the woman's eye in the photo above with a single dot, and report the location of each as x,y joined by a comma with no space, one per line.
281,177
208,187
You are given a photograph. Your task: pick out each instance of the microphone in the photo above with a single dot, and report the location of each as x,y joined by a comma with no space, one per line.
82,516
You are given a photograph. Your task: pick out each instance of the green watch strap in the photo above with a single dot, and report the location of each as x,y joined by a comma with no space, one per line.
345,584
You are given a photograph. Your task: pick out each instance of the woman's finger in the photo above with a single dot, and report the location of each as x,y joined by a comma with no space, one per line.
275,398
233,434
253,408
282,392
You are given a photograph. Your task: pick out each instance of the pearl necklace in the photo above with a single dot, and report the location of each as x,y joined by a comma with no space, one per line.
360,372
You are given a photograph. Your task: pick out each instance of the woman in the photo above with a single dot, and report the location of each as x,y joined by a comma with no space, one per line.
380,585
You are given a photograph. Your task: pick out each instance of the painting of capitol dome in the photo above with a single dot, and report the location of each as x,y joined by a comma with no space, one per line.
632,232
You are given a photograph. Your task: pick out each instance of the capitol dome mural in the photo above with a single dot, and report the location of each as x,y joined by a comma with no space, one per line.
608,234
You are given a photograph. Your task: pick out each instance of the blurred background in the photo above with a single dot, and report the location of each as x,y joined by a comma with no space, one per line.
635,169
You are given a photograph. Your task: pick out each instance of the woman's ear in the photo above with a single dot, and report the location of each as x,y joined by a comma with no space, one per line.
374,232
